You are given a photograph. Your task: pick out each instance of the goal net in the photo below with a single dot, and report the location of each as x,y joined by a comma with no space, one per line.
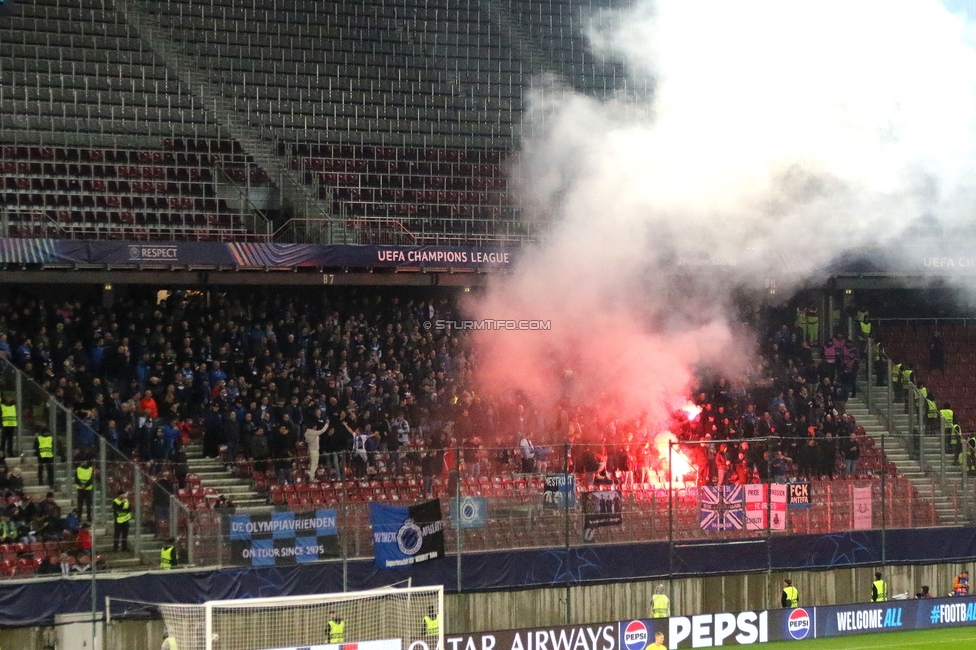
391,618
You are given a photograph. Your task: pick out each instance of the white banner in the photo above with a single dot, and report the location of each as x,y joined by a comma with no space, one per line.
862,508
756,506
777,509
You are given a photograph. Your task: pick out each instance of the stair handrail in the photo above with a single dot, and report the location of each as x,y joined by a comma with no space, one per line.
914,438
107,453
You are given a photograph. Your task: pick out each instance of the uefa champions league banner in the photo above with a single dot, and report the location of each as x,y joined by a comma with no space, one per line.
283,537
249,255
403,536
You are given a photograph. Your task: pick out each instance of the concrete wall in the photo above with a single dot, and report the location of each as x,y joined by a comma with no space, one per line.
486,611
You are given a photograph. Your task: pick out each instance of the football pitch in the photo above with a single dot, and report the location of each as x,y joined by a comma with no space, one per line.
958,637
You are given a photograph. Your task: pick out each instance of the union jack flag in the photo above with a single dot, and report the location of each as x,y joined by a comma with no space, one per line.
721,507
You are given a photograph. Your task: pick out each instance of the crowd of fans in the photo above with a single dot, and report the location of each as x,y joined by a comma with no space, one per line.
794,402
356,382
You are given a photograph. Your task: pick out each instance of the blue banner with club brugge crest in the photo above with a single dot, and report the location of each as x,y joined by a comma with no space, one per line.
403,536
469,512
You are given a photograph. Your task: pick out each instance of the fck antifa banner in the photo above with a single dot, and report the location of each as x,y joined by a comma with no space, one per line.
406,535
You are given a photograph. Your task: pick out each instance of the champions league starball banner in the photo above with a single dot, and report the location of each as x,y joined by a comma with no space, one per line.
283,538
403,536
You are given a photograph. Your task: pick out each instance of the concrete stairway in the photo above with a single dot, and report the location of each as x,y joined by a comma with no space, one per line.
213,474
895,448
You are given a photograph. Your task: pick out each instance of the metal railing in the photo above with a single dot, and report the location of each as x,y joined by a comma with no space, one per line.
926,435
74,441
548,504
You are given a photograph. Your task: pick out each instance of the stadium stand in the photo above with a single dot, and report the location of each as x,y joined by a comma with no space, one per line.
272,359
911,342
399,113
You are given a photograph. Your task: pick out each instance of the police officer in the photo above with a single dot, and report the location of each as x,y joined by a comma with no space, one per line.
122,513
337,629
660,603
8,420
791,597
44,445
167,554
879,590
85,482
432,624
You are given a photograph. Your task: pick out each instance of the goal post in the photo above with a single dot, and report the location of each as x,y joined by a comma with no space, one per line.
390,618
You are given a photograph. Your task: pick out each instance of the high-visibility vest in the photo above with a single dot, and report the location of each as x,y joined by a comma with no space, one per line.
906,376
792,595
124,513
166,557
924,392
8,415
84,476
947,416
431,625
660,606
172,642
45,446
896,374
882,589
933,409
865,328
337,631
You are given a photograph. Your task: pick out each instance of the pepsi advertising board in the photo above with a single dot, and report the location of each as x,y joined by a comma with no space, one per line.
704,630
799,624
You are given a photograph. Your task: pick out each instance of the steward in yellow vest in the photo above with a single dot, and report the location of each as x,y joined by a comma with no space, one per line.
879,590
169,642
337,629
44,443
791,597
660,603
432,624
8,420
85,482
123,513
167,554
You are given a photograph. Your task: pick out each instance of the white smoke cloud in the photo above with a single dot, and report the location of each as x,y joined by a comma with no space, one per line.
780,134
